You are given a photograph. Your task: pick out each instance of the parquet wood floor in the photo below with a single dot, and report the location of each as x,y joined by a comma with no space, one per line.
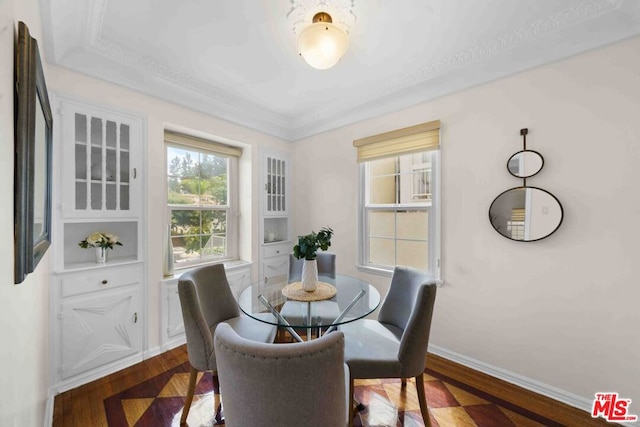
152,393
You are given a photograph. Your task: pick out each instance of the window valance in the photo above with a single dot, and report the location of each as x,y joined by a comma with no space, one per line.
413,139
177,138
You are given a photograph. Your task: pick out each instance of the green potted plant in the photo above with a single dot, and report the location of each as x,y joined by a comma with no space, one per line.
307,249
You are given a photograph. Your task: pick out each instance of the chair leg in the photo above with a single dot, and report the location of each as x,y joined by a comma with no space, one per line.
423,400
218,411
193,374
351,401
404,382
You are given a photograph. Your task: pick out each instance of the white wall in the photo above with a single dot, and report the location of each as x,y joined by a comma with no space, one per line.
24,308
562,311
160,114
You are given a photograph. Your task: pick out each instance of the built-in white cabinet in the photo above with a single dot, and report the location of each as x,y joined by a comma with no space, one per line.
276,240
239,277
97,308
101,326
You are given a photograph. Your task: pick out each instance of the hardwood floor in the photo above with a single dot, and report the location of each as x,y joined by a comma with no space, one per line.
152,393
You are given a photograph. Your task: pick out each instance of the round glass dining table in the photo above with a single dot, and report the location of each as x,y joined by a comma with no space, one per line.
338,299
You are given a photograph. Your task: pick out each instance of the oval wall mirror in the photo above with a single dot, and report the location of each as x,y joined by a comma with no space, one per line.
525,163
526,214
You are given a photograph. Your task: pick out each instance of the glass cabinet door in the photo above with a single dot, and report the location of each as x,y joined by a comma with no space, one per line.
99,150
275,185
101,164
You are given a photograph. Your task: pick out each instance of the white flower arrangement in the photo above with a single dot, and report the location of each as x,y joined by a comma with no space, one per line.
100,239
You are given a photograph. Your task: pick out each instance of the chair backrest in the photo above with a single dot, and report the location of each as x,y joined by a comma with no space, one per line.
326,265
408,306
206,300
282,384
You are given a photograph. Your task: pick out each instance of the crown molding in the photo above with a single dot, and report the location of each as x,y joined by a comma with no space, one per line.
444,75
302,12
583,11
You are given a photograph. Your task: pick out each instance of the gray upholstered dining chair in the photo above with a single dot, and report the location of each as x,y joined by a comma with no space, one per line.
207,301
395,345
284,385
324,311
326,265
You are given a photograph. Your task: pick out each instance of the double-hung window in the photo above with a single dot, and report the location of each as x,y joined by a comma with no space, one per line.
202,199
399,215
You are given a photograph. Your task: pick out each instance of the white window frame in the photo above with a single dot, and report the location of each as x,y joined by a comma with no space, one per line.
231,209
433,207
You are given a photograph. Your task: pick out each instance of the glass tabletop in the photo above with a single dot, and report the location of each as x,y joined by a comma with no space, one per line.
354,298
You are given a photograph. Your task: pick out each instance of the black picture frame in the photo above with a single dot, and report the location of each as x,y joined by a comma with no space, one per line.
32,161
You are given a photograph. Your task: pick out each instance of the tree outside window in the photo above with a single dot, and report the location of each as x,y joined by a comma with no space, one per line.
198,200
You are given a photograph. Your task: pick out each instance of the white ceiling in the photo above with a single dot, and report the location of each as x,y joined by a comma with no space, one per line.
236,59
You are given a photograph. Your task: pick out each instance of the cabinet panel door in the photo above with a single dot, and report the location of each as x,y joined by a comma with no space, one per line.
239,280
276,270
175,322
97,330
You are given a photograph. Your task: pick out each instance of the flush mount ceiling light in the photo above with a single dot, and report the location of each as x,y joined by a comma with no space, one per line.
322,44
321,28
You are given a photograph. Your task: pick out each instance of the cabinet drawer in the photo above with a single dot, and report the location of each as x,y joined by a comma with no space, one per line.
101,279
277,249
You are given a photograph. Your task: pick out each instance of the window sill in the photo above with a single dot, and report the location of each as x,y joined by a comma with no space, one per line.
386,273
374,270
229,265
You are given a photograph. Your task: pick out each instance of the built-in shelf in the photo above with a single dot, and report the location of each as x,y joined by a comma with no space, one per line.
276,229
76,257
111,262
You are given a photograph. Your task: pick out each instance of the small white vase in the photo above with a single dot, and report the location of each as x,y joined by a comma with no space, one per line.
101,255
309,275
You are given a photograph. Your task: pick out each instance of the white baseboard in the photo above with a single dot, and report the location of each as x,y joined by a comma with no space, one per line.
148,354
48,411
166,346
173,343
535,386
92,375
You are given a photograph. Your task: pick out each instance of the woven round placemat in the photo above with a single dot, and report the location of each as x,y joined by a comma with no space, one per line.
295,292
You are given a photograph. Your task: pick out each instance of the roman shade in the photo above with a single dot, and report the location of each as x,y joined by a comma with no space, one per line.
180,139
413,139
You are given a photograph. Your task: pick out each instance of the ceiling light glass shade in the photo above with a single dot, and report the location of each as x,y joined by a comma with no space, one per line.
322,44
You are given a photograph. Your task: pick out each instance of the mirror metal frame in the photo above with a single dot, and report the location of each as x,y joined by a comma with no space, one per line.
525,187
526,151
